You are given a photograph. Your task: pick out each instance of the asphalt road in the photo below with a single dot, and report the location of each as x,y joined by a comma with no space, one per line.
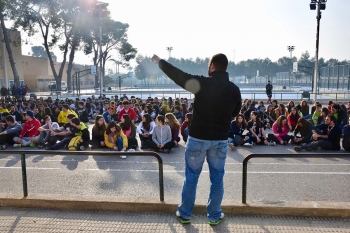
270,180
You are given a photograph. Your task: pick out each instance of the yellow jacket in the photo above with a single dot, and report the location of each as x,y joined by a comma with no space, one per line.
278,114
62,117
111,145
4,110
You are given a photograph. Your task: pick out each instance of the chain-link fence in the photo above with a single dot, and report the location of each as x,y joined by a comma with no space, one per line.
335,77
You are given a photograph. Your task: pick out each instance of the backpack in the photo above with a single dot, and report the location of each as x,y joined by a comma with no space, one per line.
74,144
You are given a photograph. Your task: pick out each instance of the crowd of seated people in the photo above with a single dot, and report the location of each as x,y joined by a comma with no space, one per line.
64,124
117,122
323,127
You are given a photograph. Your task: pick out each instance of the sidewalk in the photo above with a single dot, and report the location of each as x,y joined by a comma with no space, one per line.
40,220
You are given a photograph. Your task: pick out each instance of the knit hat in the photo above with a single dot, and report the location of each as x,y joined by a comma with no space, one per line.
30,113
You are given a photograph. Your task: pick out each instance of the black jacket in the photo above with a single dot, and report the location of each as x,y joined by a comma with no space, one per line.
217,100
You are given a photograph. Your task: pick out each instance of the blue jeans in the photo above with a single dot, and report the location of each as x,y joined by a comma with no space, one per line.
197,150
119,144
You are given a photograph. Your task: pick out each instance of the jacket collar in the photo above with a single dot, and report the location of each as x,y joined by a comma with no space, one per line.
219,74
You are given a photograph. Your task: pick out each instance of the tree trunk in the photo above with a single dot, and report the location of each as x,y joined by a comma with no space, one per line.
9,51
70,62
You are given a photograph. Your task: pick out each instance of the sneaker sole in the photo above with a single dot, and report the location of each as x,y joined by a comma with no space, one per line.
183,220
216,223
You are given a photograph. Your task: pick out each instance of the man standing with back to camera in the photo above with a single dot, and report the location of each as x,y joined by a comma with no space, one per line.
209,131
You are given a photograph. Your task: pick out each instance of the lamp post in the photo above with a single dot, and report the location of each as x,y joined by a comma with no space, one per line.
290,49
101,5
321,5
169,50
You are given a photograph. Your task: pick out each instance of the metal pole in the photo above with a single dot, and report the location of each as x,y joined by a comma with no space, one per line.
318,17
24,175
101,73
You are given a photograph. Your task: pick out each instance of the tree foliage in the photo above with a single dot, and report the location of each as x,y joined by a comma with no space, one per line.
146,70
69,25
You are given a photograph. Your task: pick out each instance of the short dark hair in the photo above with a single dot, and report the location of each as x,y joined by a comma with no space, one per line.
76,121
45,117
332,118
220,62
65,106
5,114
10,118
125,102
70,116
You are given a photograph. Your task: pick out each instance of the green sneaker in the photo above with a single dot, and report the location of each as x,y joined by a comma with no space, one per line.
215,223
181,219
32,144
17,145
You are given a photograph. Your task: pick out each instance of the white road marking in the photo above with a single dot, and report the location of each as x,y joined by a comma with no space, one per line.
33,168
155,162
231,172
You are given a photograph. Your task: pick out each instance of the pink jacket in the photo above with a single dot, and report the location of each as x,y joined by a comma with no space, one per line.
285,130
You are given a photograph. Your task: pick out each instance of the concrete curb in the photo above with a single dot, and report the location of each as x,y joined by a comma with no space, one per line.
141,204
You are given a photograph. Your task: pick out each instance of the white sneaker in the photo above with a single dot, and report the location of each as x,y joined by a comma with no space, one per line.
231,146
82,147
17,145
123,156
247,144
272,143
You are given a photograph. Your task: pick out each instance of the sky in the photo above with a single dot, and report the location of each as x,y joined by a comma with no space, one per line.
241,29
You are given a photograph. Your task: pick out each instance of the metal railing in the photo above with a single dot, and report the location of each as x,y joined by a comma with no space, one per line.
23,154
245,164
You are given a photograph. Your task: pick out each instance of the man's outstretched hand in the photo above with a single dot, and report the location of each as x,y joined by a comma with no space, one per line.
155,59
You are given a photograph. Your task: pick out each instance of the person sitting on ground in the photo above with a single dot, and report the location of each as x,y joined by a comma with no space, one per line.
280,131
275,104
145,129
30,133
62,117
261,106
45,131
98,132
178,114
293,118
108,115
329,106
37,114
127,110
129,129
269,116
64,134
346,135
327,136
237,128
80,129
149,109
115,139
317,114
256,129
12,130
186,126
174,126
161,137
16,114
304,128
281,110
3,124
314,107
305,109
339,115
247,113
290,105
82,112
322,119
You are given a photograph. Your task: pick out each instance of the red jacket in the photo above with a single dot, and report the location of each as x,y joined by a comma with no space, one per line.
30,128
131,113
